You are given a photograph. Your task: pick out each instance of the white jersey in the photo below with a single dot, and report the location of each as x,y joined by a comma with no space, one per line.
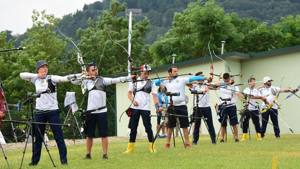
177,85
97,98
142,98
47,99
203,98
228,92
253,104
270,94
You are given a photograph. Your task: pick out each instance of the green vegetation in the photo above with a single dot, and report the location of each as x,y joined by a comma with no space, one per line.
285,152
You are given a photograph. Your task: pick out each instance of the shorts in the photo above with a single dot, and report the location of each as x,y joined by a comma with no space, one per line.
182,113
98,120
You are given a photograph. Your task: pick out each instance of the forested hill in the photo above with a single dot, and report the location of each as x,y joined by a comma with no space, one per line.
263,10
161,12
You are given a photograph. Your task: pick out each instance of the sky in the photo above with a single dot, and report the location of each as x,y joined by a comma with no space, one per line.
15,15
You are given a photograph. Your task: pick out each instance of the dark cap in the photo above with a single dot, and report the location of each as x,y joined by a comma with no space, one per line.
226,76
39,64
91,64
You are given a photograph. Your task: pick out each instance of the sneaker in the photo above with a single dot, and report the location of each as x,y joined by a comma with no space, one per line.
151,147
236,140
222,141
245,137
64,163
258,137
105,157
195,143
32,164
130,148
88,156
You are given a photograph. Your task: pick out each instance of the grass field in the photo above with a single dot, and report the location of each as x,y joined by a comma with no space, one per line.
283,153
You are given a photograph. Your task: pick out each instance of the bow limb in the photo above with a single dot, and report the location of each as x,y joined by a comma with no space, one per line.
212,68
226,63
212,53
79,59
277,95
211,72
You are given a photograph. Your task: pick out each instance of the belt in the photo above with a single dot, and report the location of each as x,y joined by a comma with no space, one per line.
100,108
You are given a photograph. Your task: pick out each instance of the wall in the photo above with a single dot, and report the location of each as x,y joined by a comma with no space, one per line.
284,67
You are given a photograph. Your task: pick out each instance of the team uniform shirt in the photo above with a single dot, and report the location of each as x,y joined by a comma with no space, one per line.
47,99
229,92
270,94
253,104
203,98
142,98
97,98
177,85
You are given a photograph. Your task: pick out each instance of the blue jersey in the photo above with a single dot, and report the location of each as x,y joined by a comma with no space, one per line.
163,99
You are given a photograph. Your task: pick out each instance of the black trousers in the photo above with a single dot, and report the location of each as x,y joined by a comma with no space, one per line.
39,131
205,114
254,115
134,122
273,113
228,112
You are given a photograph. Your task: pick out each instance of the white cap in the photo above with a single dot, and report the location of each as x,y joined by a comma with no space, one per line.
145,68
266,79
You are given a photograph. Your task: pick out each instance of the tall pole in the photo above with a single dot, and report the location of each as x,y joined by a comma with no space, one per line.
129,42
173,58
222,47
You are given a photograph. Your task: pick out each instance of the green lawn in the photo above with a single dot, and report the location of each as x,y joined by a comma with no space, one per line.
285,153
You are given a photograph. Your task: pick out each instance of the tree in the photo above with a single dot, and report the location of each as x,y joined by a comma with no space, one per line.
193,29
262,38
108,34
290,28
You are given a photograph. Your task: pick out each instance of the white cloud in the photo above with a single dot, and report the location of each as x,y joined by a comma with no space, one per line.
15,15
